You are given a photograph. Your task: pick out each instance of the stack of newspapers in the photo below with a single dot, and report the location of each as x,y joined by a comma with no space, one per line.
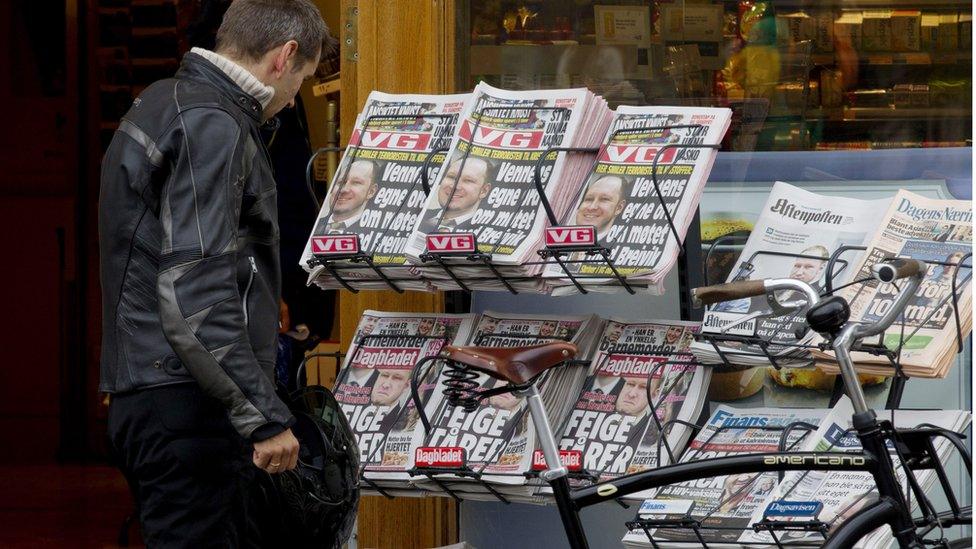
794,236
642,226
487,186
373,389
377,194
727,507
937,231
641,381
725,504
498,437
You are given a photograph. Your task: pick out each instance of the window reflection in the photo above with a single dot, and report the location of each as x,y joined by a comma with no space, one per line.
798,75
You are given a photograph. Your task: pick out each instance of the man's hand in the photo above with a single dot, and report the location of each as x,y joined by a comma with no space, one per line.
278,453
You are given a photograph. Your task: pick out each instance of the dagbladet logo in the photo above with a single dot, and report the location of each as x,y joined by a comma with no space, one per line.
783,508
439,456
335,244
571,459
575,235
451,243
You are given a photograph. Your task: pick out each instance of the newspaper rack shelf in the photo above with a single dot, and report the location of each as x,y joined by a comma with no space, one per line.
915,450
462,391
593,253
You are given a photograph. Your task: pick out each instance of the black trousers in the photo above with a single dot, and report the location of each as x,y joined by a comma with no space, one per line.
189,470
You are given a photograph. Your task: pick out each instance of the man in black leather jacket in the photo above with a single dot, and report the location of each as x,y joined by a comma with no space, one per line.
191,277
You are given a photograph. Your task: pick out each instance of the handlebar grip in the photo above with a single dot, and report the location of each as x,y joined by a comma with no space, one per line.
707,295
894,269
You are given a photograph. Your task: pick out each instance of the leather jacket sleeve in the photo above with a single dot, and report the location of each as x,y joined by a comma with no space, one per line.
200,305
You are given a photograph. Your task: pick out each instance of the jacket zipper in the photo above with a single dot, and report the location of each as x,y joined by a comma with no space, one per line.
247,289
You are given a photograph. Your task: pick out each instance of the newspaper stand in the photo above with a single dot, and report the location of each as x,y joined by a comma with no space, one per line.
593,252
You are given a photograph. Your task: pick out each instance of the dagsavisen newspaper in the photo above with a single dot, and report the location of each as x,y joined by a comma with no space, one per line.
724,504
377,194
843,493
487,186
640,378
498,437
618,198
929,229
373,387
796,233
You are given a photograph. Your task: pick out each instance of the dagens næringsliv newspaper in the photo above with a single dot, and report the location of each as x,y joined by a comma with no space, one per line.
498,437
612,421
619,200
792,221
373,387
725,504
844,493
377,193
928,229
487,186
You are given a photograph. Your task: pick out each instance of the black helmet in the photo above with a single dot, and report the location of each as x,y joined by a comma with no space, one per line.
315,504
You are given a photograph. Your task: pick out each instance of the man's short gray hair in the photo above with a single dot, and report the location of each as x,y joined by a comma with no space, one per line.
251,28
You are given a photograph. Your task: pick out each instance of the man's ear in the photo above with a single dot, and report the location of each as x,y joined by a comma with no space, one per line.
284,53
620,207
485,189
372,191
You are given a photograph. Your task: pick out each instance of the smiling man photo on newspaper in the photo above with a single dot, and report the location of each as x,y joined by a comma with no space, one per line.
459,194
349,203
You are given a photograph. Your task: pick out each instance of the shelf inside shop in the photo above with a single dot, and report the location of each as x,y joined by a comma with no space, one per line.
870,114
900,58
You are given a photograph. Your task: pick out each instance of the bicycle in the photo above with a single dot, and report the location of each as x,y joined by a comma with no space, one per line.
521,367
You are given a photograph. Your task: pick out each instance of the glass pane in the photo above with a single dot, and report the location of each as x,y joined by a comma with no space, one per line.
799,75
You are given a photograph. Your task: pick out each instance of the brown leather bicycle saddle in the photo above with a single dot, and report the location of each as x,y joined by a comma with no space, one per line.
513,364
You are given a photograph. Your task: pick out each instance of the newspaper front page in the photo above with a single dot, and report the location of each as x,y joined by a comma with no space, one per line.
725,504
498,437
795,235
927,229
640,379
377,194
373,387
487,187
619,200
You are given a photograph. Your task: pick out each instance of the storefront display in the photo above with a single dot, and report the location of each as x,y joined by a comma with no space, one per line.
730,82
640,399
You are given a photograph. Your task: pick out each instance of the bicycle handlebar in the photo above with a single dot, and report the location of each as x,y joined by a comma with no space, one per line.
897,268
709,295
